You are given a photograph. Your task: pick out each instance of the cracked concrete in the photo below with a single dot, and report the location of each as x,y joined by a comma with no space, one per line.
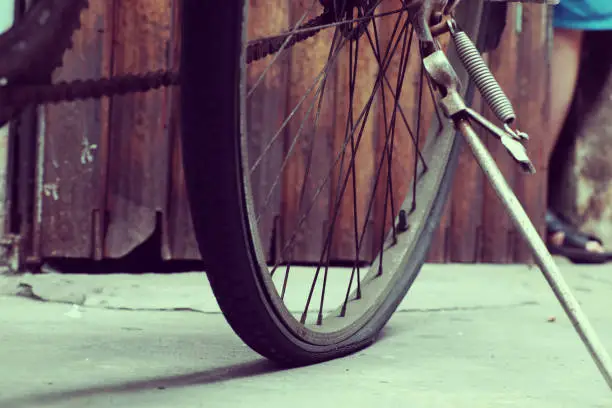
466,336
190,291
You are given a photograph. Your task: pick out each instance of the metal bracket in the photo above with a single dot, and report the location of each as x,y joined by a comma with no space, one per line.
441,71
445,78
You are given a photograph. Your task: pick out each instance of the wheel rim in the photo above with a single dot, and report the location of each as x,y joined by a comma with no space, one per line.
369,71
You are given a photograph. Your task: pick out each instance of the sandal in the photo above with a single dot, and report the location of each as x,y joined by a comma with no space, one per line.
574,242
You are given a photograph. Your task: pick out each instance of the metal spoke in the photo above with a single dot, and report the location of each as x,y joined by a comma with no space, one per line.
414,185
401,111
403,65
320,92
353,58
285,281
300,222
336,24
280,51
309,90
352,80
355,127
324,72
365,112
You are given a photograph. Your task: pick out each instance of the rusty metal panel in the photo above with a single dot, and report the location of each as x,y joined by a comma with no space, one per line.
73,145
393,139
268,104
139,151
352,185
440,250
178,238
533,113
466,203
496,238
309,152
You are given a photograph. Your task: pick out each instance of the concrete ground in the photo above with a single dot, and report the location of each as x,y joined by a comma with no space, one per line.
466,336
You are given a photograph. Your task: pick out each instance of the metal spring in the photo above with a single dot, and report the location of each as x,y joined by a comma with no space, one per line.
483,78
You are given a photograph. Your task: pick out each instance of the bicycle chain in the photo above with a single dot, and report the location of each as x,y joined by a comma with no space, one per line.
18,96
260,49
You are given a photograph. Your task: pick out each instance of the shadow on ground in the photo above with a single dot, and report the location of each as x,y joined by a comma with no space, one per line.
216,375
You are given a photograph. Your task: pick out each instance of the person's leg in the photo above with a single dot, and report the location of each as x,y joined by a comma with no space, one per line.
567,48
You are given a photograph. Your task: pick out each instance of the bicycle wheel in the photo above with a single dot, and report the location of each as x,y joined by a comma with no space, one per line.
313,187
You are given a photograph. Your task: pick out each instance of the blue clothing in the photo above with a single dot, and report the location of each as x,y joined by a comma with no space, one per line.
583,14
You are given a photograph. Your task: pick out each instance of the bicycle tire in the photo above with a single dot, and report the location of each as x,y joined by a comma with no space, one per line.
213,144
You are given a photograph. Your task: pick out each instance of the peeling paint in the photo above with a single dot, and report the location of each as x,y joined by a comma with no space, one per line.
87,151
51,190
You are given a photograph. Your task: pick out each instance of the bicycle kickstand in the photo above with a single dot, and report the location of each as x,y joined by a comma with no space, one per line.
447,83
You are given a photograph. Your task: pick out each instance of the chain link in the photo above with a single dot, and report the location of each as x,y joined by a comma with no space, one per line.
15,97
18,96
260,49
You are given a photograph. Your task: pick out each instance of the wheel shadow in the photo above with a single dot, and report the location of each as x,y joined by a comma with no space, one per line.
216,375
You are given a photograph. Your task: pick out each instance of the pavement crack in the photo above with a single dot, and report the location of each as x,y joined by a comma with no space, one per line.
152,309
467,308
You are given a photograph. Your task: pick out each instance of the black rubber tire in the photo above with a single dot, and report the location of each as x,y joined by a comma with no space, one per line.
212,125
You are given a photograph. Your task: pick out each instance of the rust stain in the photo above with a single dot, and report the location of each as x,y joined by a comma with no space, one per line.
307,60
139,146
69,173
